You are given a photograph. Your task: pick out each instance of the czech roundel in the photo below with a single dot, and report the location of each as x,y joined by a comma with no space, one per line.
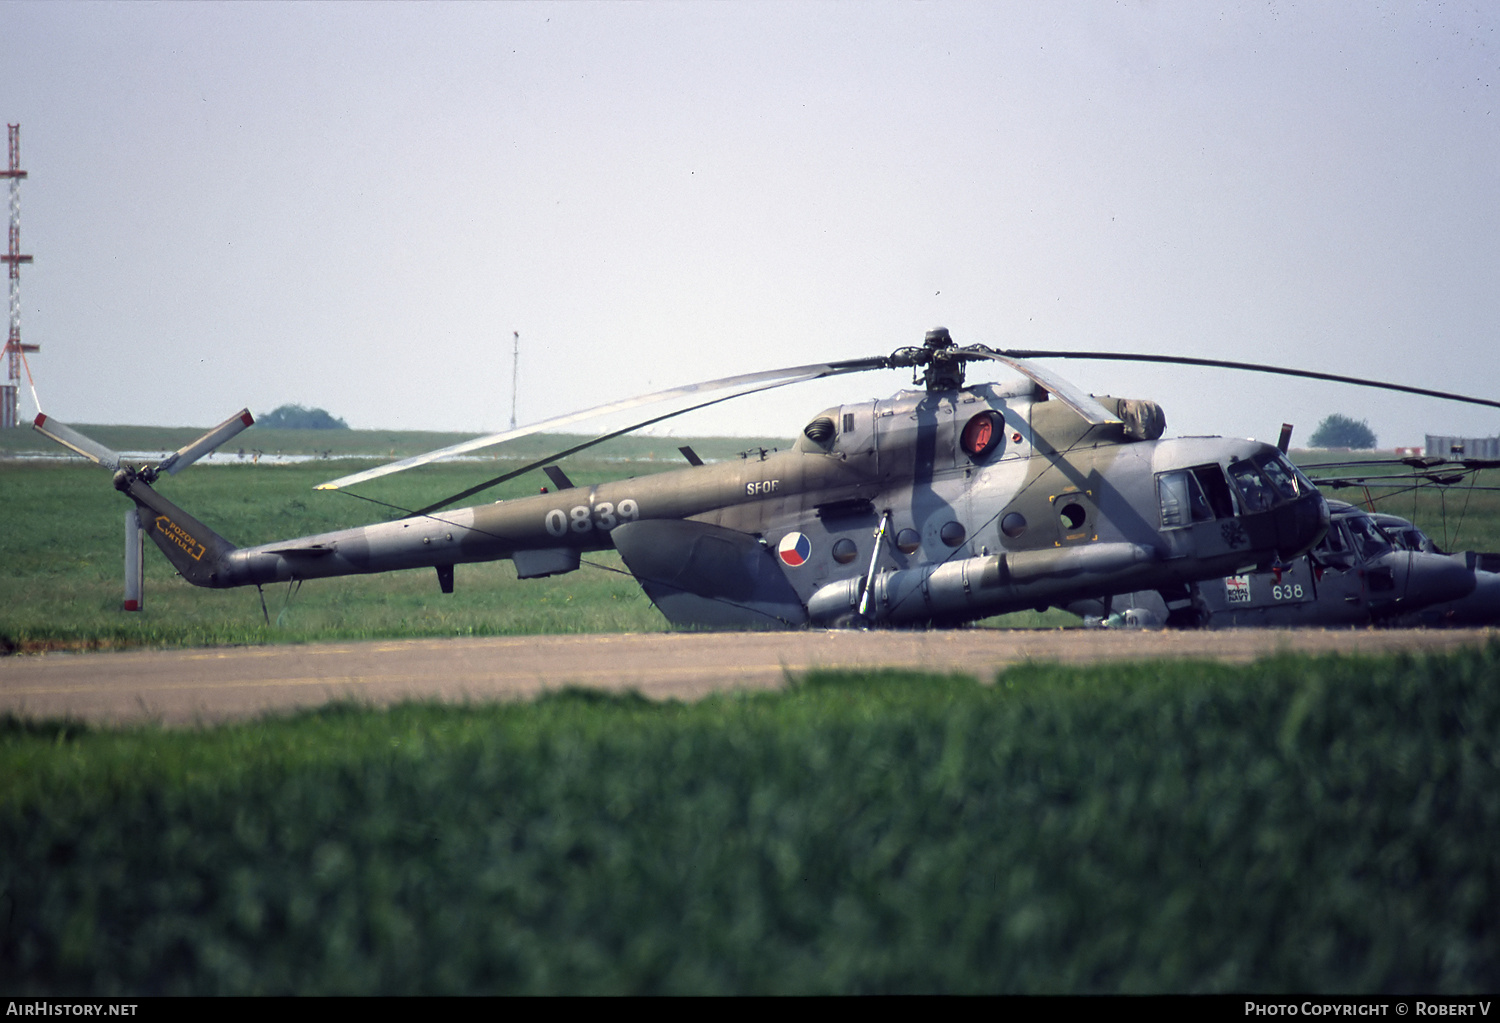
794,549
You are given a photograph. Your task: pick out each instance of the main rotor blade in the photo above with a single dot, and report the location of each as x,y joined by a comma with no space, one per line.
186,456
1084,404
750,382
1415,461
75,441
556,455
1447,479
1253,367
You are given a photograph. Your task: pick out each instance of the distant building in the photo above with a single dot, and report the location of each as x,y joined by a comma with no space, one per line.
1467,447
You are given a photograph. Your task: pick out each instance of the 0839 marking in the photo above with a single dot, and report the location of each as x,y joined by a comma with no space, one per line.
603,516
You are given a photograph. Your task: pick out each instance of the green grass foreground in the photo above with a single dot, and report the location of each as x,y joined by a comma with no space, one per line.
1298,825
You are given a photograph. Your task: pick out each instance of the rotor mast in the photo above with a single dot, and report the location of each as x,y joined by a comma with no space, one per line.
945,371
15,351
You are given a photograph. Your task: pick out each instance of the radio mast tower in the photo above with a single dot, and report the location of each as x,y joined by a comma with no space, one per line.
15,351
515,373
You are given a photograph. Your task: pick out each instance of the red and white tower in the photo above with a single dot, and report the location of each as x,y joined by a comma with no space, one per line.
15,351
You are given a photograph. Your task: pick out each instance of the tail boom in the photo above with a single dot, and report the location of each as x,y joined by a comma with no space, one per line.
204,558
200,555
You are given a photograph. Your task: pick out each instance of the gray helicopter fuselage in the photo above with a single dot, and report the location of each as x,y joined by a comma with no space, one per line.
1352,577
1481,606
926,507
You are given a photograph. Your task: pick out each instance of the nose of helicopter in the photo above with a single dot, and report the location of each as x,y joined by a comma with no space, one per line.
1300,524
1426,579
1481,607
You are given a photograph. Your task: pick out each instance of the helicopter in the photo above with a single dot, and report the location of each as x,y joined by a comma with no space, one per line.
941,505
1353,576
1369,569
1481,606
1445,474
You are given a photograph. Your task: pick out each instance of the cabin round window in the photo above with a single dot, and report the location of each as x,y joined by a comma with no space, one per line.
982,434
844,550
953,533
1073,516
1013,525
908,540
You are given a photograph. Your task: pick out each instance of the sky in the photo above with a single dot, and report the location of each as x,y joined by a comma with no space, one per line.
354,206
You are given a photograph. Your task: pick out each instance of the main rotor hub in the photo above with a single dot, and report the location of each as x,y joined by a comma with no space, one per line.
945,367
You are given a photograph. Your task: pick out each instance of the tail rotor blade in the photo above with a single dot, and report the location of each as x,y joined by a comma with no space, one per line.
186,456
76,442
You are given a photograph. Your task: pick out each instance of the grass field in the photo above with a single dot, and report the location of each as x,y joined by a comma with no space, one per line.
1298,825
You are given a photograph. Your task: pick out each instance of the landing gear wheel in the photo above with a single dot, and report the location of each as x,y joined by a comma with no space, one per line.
851,620
1190,616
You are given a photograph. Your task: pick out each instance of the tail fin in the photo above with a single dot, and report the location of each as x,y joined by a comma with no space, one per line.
198,553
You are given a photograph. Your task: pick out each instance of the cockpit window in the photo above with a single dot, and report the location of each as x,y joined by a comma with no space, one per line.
1172,493
1283,476
1199,494
1182,500
1256,494
1403,538
1334,541
1216,489
1369,542
1424,543
1410,539
1304,485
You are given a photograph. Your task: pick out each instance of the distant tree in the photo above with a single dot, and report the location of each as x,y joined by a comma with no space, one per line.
296,417
1342,432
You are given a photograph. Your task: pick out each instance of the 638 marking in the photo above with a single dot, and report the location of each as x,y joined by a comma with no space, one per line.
581,518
